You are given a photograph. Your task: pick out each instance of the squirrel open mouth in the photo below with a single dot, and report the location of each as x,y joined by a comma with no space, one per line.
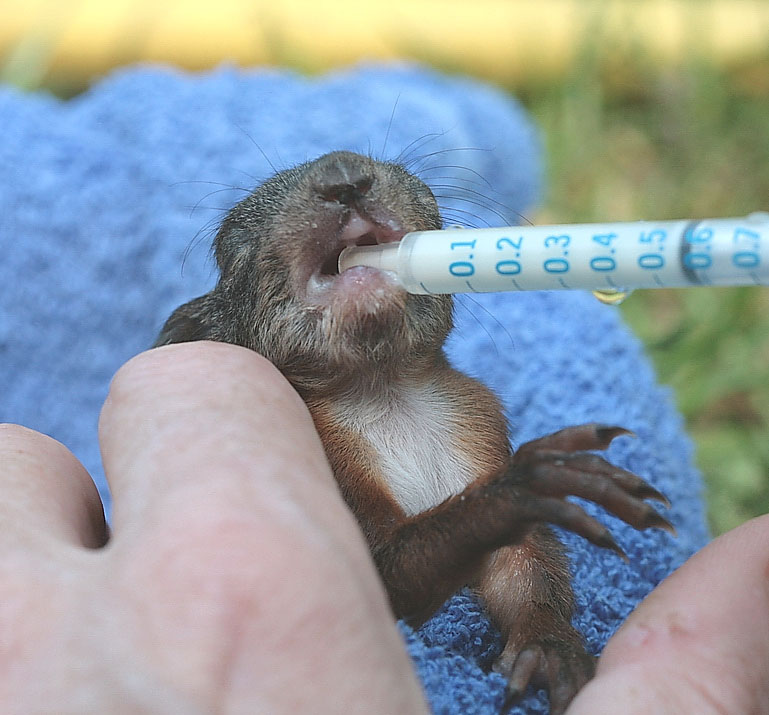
330,266
359,232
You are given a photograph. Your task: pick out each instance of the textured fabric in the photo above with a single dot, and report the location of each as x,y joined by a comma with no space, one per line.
107,207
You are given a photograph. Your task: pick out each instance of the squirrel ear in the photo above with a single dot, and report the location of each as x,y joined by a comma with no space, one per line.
186,324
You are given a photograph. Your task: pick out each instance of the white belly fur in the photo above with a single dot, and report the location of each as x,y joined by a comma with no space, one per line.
410,432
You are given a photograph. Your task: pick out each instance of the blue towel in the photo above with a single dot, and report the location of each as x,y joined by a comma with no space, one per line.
108,203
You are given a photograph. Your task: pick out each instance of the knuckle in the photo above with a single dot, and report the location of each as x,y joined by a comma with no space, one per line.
204,557
202,374
37,467
22,440
233,564
25,598
201,357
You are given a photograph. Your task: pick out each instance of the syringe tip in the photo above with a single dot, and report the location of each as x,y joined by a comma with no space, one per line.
382,256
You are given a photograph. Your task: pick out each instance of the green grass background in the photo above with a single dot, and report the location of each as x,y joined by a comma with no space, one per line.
627,140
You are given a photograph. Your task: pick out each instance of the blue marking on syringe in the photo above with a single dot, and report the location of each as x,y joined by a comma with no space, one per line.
470,287
515,283
424,288
563,283
611,282
686,247
658,281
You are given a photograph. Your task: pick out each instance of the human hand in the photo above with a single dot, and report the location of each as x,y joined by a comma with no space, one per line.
699,643
235,580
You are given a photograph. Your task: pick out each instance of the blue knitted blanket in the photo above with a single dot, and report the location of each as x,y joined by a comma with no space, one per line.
108,203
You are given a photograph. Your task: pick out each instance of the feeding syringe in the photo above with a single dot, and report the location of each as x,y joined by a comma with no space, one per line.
597,256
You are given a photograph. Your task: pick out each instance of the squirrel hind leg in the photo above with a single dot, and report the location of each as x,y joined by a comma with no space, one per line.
527,593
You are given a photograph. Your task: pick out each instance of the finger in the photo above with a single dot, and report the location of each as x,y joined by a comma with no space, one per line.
526,665
574,439
593,464
559,479
207,423
46,491
700,642
216,467
574,518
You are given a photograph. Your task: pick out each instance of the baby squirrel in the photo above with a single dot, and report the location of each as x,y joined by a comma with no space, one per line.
420,451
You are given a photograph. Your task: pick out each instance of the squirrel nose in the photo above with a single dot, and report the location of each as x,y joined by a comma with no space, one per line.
342,178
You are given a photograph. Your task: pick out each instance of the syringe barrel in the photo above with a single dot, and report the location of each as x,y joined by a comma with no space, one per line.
619,256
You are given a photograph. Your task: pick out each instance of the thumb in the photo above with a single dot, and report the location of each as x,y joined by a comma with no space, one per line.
699,643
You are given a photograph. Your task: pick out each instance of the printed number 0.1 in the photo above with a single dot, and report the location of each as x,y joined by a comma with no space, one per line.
461,269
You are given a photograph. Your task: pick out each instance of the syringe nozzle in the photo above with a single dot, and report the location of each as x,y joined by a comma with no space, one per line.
382,256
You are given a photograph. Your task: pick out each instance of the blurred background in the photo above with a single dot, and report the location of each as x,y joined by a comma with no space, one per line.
649,109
